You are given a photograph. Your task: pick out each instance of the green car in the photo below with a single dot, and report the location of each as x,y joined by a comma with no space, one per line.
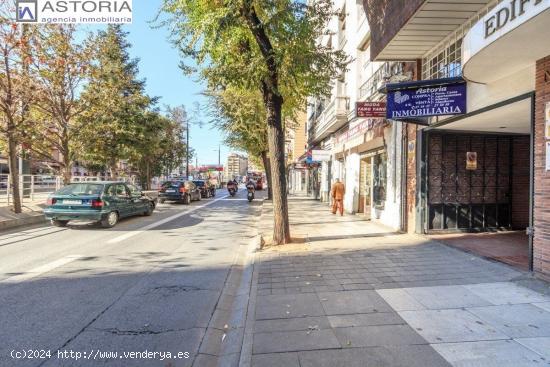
104,202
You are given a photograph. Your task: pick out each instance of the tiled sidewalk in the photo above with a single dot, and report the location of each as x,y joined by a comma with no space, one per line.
357,294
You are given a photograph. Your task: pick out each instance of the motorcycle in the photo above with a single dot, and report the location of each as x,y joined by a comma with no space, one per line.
250,194
232,190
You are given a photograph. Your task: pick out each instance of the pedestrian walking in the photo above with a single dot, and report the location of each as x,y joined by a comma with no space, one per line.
337,193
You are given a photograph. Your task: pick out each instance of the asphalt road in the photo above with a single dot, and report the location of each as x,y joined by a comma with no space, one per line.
150,284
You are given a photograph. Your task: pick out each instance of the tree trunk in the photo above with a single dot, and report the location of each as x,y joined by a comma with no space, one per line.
267,168
14,173
148,177
276,143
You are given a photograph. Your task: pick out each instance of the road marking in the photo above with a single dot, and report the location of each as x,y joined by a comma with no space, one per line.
160,222
41,269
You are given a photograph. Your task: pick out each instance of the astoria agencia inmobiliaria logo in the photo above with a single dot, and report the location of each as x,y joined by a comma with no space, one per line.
74,11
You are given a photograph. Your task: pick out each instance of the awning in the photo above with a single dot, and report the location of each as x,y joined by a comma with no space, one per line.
409,37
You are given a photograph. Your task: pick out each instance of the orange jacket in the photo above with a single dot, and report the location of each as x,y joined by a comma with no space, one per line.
338,191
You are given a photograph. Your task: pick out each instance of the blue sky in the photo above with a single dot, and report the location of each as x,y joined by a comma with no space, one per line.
159,62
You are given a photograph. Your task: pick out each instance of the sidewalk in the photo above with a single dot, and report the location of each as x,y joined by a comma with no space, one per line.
357,294
32,214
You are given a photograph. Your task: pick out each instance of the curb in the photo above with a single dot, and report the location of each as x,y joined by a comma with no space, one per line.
19,222
223,340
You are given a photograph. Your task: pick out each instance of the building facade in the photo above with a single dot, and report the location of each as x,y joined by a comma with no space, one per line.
365,152
485,167
237,166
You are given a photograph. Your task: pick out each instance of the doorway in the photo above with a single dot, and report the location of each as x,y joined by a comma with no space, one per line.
365,187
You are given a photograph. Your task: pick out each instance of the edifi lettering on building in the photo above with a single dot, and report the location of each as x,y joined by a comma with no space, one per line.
508,13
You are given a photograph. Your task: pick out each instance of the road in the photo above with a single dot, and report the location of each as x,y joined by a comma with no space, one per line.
149,284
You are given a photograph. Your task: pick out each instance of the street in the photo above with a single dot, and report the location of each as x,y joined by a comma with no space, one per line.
149,284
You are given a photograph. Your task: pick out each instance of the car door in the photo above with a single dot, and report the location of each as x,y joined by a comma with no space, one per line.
123,200
137,203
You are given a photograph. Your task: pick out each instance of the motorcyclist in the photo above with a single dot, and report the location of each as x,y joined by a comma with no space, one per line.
251,185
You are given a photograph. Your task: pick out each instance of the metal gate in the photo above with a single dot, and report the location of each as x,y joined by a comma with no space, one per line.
470,200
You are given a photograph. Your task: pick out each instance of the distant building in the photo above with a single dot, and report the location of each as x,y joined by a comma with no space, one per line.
237,165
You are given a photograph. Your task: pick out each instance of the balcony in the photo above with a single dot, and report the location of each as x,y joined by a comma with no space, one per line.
333,117
388,72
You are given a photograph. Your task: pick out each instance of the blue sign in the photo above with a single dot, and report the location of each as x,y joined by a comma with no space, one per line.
427,101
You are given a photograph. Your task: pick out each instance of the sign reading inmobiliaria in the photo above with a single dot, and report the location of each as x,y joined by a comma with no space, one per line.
74,11
441,100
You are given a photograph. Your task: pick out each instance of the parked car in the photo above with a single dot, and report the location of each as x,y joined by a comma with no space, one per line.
207,189
105,202
181,191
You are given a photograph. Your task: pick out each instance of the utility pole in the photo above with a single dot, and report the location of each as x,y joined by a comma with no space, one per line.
187,155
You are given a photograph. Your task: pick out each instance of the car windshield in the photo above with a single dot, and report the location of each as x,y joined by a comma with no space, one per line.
81,189
171,184
199,183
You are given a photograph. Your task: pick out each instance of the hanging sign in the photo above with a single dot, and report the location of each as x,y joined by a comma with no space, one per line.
547,121
471,161
429,101
548,155
370,109
320,155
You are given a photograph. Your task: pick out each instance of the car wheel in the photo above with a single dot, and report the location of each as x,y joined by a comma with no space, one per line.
59,223
187,199
150,210
161,201
110,220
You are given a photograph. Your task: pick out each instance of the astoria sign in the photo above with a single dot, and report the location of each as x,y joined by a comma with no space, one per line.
442,100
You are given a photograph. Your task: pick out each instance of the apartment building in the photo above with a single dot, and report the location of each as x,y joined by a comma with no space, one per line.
365,152
478,153
237,166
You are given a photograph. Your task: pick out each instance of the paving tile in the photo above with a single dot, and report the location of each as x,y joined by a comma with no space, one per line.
541,346
377,336
506,293
292,341
440,326
351,302
276,360
444,297
399,356
302,323
366,319
516,321
498,353
288,306
400,300
543,305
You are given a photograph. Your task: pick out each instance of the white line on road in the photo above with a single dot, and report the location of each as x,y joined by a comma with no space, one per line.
41,269
159,223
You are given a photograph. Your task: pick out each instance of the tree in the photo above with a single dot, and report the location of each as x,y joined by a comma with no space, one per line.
239,114
269,46
161,145
110,128
15,89
60,68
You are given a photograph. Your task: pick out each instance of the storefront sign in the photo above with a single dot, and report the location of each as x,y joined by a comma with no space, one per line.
547,120
548,155
320,155
471,161
427,101
358,129
370,109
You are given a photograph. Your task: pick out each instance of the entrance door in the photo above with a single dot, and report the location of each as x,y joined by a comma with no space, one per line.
365,184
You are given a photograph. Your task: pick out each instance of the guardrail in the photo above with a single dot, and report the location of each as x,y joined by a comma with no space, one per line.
36,188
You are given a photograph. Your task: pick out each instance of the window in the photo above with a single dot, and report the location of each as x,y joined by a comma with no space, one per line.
81,189
446,63
379,180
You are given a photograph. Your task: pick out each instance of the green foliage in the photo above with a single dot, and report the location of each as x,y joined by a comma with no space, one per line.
218,36
111,128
